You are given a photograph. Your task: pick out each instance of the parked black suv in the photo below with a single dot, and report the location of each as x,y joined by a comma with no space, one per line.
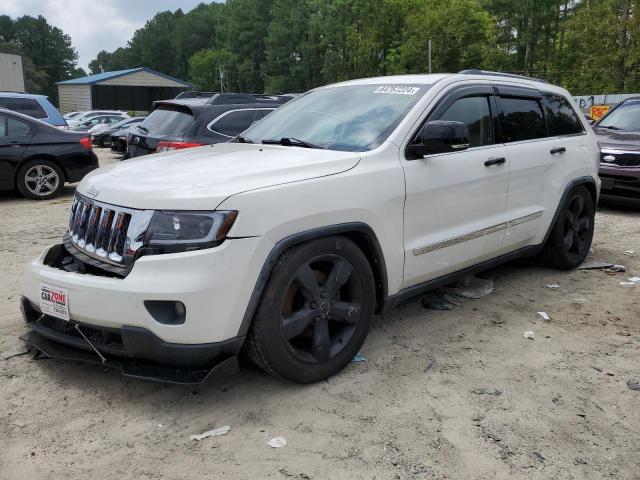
184,123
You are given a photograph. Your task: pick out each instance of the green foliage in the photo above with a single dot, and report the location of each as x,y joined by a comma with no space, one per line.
48,56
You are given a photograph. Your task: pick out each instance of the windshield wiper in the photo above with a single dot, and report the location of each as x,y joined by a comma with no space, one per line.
241,139
611,127
292,142
143,128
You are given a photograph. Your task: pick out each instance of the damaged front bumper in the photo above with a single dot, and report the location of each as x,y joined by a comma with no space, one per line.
134,351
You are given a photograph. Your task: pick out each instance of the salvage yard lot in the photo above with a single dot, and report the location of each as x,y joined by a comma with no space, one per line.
564,412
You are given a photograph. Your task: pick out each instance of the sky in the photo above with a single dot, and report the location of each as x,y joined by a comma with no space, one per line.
94,25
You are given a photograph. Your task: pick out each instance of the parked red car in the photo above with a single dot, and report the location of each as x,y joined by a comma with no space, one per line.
619,137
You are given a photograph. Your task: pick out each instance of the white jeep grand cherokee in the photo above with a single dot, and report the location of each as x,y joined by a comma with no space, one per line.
285,242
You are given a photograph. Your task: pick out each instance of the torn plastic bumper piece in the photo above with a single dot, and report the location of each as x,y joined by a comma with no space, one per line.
131,367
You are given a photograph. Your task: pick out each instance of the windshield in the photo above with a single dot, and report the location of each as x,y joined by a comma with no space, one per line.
353,118
165,120
625,117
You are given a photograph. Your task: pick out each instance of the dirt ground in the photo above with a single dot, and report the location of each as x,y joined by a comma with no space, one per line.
565,411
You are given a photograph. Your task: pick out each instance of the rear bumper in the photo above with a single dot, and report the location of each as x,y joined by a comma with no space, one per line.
134,351
75,170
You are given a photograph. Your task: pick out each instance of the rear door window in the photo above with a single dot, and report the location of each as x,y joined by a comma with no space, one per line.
474,112
232,123
561,118
166,121
521,119
26,106
3,126
17,128
263,112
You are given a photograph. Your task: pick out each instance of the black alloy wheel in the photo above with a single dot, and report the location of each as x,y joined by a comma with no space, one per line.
570,238
321,308
315,311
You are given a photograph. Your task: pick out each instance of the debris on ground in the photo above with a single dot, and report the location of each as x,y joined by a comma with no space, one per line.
434,302
633,385
429,366
538,456
453,299
529,335
277,442
628,253
579,461
487,391
628,284
359,357
472,287
216,432
13,353
593,265
553,286
545,316
634,279
598,265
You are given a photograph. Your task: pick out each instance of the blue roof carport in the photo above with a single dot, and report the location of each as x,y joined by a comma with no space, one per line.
134,89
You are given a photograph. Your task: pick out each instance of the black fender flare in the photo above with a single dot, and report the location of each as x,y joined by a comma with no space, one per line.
374,254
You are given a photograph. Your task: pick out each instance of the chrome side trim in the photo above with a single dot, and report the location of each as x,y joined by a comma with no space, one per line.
477,234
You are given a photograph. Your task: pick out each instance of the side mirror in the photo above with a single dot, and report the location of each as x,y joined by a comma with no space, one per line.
439,136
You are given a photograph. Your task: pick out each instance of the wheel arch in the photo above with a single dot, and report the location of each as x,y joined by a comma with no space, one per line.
360,233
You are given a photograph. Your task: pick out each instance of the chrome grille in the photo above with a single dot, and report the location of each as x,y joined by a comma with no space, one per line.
107,232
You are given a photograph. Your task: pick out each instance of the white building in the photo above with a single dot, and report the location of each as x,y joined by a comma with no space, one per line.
11,73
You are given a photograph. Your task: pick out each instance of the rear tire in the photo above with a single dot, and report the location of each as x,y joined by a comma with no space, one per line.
570,240
315,311
40,179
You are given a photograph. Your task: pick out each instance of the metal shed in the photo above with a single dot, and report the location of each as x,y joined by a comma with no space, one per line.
134,89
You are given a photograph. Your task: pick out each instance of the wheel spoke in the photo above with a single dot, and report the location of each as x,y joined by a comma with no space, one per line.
38,188
578,206
345,312
340,273
584,224
570,217
306,280
50,187
39,169
576,244
50,176
321,344
30,179
568,240
295,324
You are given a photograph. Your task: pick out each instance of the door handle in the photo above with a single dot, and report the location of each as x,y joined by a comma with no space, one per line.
495,161
558,150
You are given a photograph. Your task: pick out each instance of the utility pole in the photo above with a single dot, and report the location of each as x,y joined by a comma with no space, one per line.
221,79
429,54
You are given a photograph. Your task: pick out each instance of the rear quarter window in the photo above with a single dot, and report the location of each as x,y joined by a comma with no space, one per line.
232,122
166,121
26,106
561,118
521,119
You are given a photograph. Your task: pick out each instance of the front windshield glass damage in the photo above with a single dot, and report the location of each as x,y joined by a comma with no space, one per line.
351,118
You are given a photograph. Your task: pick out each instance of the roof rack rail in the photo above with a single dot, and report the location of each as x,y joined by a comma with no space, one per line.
475,71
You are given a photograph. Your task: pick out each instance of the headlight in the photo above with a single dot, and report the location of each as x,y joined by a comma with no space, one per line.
170,232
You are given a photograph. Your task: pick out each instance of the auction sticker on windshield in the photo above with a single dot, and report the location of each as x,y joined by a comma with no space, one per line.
54,301
397,90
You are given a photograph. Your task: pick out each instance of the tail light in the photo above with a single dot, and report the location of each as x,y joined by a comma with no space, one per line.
86,143
167,146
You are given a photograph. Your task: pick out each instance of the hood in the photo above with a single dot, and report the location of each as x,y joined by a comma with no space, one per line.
201,178
619,139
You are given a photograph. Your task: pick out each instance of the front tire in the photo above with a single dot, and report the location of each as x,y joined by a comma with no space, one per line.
570,240
315,311
40,179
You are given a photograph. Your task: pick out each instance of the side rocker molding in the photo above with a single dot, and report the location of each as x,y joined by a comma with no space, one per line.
525,252
374,254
